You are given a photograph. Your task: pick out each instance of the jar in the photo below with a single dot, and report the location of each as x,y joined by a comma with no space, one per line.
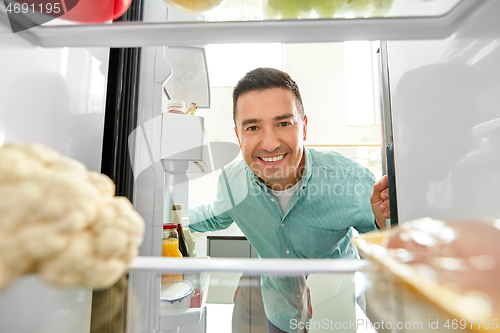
170,248
170,244
176,106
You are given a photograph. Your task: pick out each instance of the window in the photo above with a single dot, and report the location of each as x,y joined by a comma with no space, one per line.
227,63
359,83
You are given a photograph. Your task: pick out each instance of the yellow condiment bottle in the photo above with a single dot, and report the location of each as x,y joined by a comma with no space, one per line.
170,248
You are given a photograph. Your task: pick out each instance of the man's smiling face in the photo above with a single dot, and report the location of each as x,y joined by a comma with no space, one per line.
271,134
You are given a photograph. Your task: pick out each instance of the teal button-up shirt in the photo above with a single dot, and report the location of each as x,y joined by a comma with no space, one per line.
333,197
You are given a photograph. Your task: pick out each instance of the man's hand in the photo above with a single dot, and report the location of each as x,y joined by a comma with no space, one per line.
380,201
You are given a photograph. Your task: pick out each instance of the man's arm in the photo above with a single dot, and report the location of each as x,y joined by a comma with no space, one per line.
380,202
215,216
203,218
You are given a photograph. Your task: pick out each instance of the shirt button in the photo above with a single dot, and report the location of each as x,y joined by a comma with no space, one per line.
282,225
272,199
287,251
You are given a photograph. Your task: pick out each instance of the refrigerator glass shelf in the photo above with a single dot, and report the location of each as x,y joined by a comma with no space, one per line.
249,266
212,28
257,10
270,10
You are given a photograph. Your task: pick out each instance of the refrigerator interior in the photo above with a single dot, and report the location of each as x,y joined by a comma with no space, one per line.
445,117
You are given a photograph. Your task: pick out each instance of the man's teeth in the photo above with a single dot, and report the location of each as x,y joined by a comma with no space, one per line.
272,159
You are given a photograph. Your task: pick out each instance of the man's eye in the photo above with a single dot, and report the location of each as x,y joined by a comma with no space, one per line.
252,128
284,123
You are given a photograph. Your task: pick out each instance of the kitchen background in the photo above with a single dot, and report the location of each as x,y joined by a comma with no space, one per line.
339,85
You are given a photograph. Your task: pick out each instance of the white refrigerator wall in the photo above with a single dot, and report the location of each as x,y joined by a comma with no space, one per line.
446,119
55,97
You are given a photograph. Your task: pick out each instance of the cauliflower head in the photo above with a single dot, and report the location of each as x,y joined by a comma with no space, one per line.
61,221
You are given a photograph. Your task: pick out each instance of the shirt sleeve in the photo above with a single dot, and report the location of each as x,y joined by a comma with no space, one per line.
215,216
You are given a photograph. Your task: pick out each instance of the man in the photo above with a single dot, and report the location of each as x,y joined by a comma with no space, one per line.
288,200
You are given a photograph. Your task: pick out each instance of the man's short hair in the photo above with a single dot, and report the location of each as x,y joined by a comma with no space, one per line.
266,78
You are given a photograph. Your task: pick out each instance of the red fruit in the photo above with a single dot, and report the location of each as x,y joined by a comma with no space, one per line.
94,11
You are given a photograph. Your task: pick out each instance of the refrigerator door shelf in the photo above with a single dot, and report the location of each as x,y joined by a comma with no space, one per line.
183,144
182,137
171,319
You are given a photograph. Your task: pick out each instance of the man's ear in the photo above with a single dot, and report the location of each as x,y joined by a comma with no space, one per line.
236,131
305,127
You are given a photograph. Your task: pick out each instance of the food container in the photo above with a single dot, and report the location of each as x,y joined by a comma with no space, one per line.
419,275
176,295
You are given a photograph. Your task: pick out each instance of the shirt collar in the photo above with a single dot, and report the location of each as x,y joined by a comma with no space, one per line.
306,174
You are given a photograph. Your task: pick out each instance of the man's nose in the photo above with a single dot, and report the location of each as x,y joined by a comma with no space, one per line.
270,140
